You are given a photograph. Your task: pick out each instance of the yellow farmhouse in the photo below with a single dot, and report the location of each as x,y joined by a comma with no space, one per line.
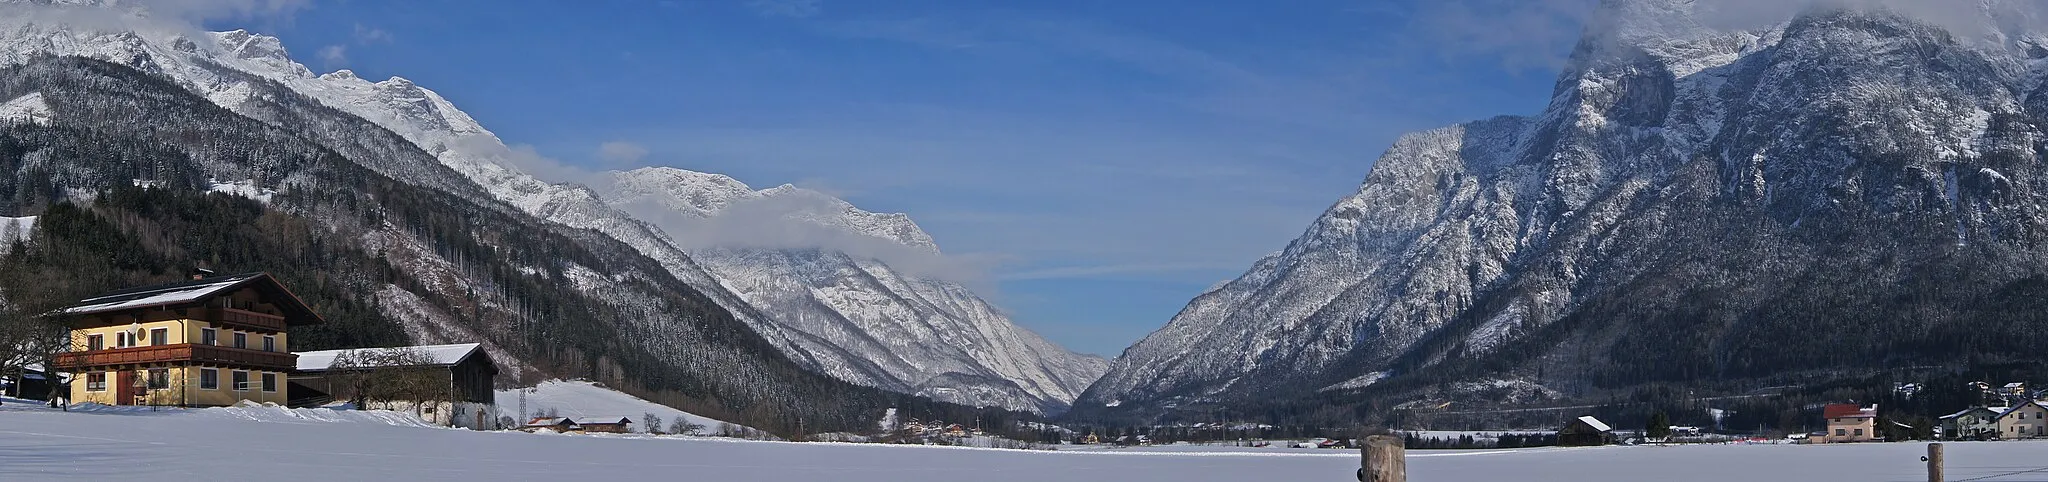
205,342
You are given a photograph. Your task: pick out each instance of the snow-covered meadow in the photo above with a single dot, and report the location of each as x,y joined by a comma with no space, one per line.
267,443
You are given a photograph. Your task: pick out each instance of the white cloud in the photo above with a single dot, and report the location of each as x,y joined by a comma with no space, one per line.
621,152
334,55
366,35
1540,34
198,10
787,8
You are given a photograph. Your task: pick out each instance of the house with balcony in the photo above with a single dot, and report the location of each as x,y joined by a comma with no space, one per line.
208,341
1974,423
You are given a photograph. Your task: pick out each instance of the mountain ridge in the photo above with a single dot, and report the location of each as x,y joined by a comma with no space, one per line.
1690,203
231,68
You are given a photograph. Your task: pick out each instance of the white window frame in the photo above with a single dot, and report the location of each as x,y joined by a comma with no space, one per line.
270,343
209,336
268,382
240,380
216,378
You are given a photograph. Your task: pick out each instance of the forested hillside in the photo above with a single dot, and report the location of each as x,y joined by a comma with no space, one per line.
119,180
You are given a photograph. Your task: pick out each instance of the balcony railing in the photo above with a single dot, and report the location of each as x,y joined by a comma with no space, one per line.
178,353
242,319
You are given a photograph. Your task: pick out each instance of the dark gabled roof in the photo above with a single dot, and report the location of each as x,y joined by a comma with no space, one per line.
192,291
2015,408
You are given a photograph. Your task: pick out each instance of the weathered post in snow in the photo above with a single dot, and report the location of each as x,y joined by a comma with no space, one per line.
1385,459
1934,462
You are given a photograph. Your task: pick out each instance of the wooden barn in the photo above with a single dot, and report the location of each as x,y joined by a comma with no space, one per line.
468,400
1585,431
605,424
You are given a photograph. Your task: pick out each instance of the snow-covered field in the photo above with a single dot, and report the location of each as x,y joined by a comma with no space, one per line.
267,443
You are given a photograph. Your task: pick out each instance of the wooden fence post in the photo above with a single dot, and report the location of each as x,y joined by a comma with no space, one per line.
1934,462
1384,459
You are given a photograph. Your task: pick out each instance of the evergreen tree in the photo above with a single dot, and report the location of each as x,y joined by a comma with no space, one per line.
1659,426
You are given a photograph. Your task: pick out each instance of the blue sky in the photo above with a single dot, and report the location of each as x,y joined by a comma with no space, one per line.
1105,160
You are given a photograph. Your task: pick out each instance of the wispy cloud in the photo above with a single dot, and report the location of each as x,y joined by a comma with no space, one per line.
1538,35
787,8
621,152
182,15
334,55
1113,270
366,35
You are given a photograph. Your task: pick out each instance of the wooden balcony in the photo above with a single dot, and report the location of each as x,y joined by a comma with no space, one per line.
222,355
242,319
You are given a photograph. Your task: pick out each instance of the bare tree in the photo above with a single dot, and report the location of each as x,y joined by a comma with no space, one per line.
388,378
652,421
32,333
682,426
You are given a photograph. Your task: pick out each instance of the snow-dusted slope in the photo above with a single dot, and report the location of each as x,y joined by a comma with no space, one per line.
30,109
1694,195
230,67
586,399
915,333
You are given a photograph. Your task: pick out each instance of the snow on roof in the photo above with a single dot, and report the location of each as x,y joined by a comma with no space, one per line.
543,422
1848,410
442,355
602,419
160,295
1595,423
1967,411
2016,408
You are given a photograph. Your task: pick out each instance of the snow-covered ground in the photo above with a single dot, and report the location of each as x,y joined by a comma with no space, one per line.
15,229
29,108
585,399
267,443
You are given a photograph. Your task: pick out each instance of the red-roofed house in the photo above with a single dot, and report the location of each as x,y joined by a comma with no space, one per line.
1849,422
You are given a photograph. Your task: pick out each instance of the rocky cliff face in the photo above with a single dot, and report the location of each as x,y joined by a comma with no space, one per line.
1696,204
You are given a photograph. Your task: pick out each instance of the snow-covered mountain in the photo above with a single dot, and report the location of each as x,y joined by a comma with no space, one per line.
1700,202
913,333
235,69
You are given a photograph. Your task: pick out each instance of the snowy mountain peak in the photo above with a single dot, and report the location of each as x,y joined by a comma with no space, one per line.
704,195
1682,148
340,76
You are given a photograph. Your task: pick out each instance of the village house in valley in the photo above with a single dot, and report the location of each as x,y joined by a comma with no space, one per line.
451,385
1848,422
2024,420
1585,431
1974,423
203,342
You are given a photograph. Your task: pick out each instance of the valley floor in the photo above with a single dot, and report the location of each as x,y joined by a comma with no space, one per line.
260,443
